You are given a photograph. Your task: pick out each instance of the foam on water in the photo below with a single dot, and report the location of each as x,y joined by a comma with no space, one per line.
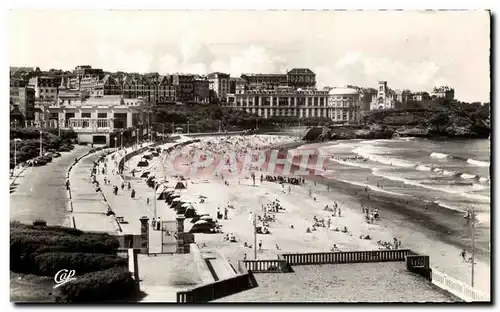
439,155
478,163
441,189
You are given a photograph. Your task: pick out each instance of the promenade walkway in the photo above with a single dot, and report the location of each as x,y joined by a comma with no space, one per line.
89,207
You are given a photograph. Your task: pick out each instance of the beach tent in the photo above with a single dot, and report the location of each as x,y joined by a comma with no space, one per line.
180,186
201,222
160,191
190,212
142,163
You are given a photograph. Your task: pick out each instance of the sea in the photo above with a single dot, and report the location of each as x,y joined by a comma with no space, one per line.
454,174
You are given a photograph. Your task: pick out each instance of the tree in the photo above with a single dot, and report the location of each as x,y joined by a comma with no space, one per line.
439,120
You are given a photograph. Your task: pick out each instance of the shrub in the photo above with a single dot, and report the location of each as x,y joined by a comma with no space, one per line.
103,286
27,243
51,262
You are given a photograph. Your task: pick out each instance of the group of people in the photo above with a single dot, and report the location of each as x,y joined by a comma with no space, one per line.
396,244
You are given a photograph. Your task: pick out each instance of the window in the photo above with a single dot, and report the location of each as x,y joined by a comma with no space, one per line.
102,115
381,88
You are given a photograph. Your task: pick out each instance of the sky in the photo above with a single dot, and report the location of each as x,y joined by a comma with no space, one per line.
414,50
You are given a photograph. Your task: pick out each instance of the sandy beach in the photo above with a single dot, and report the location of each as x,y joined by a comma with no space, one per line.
291,228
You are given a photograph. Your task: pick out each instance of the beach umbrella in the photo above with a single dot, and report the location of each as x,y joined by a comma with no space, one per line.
176,199
201,222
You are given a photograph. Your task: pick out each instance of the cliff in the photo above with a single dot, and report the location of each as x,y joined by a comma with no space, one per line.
452,120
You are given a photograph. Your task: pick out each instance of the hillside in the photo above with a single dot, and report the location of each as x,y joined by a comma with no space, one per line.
436,118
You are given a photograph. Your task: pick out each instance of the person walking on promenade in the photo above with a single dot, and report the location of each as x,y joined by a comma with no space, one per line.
129,186
123,185
132,194
463,254
147,201
260,245
158,224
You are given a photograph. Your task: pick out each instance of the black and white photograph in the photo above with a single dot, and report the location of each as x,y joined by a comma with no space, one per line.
249,156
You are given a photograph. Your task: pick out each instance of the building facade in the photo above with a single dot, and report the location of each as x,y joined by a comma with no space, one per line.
385,98
219,85
22,99
185,87
201,90
340,105
45,87
420,96
96,119
444,92
301,78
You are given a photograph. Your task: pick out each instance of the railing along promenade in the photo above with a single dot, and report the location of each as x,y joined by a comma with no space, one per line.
346,257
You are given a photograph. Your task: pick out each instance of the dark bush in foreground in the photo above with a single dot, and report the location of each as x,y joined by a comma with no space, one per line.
27,243
51,262
103,286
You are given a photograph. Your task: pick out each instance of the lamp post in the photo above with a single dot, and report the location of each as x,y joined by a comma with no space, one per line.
115,142
154,199
15,152
219,126
472,217
255,236
121,139
188,127
257,124
41,143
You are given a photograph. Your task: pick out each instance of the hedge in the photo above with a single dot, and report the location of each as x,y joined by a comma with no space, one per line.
26,244
111,285
51,262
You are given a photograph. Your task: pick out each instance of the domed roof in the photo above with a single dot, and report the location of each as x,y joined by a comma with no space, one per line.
342,91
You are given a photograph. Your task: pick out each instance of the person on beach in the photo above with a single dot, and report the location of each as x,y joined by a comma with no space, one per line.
132,194
225,213
289,189
310,192
128,186
147,201
260,245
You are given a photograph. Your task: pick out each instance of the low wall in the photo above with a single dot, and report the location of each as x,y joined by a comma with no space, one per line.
346,257
213,133
203,270
129,240
133,265
458,288
219,289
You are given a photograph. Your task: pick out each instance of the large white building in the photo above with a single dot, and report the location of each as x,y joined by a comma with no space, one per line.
95,119
339,104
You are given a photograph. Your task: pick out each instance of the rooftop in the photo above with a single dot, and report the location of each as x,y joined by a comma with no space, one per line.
341,91
357,282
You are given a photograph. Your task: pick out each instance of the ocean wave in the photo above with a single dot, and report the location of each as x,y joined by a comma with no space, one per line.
470,161
439,155
440,189
469,176
423,168
383,159
478,163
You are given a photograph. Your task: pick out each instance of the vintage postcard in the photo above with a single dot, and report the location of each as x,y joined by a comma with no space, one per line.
250,156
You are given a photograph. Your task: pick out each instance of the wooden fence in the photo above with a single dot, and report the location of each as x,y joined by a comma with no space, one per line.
266,266
346,257
458,288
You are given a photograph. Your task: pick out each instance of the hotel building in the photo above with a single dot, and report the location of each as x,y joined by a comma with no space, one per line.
339,104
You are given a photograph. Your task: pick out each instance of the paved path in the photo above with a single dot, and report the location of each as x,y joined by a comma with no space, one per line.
40,193
89,207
